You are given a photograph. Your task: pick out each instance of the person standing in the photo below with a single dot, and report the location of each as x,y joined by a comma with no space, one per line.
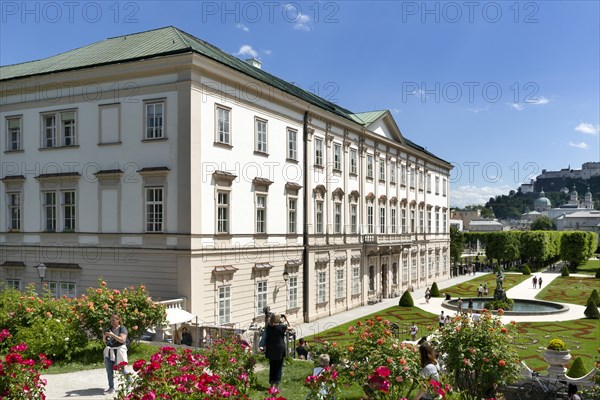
535,282
540,283
275,347
413,331
459,303
480,291
427,295
441,319
429,370
115,352
470,306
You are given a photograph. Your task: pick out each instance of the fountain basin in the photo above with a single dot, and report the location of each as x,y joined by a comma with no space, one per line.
520,306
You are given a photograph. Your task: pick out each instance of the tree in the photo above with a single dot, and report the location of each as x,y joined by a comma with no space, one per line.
577,247
538,248
503,246
457,244
542,223
406,300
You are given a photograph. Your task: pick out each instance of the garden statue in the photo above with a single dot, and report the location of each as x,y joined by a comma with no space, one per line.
500,278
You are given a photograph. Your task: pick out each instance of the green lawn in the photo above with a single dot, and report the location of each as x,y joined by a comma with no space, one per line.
569,289
590,267
469,289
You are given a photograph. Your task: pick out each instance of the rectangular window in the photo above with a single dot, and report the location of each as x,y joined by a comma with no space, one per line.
337,157
293,292
412,173
444,223
353,218
369,166
13,284
437,185
340,284
68,128
421,181
69,210
444,187
381,219
437,263
421,221
319,217
394,274
261,214
14,211
393,220
222,212
393,172
292,136
372,278
223,125
224,304
403,219
353,161
382,169
319,152
261,296
321,287
412,222
154,209
430,266
260,127
292,203
437,222
403,174
49,122
422,267
405,270
413,272
59,289
155,120
49,207
356,279
429,221
13,134
337,215
370,218
428,183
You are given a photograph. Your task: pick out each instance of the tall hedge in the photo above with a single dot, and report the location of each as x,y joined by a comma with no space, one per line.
406,300
565,271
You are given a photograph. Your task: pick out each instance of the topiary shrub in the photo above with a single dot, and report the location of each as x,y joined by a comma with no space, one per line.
577,370
406,300
435,292
591,311
565,271
526,270
595,296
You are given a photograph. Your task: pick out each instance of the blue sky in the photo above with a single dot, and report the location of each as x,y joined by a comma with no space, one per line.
500,89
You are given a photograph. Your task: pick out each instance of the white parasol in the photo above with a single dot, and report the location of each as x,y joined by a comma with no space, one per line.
177,316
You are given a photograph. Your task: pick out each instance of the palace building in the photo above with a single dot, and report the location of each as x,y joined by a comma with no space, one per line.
157,158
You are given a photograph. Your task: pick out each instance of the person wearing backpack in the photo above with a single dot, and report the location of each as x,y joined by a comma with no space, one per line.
115,351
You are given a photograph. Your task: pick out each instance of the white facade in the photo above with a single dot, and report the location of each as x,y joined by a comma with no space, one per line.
190,176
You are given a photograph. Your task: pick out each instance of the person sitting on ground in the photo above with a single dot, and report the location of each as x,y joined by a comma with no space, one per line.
318,370
186,337
302,350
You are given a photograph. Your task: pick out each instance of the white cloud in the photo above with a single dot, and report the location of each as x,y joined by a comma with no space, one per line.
243,27
463,196
588,129
540,101
293,14
580,145
247,50
517,106
267,52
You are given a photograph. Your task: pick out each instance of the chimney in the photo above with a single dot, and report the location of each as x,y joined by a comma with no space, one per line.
254,62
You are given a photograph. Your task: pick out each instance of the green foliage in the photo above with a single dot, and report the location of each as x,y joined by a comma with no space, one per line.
406,300
598,273
503,246
479,354
231,359
591,311
500,304
557,345
526,270
540,248
577,369
435,292
542,223
457,244
565,271
136,307
595,296
577,247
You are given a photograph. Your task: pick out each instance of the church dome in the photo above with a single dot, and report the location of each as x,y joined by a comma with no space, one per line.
542,203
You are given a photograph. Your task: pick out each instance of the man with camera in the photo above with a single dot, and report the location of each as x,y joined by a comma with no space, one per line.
274,347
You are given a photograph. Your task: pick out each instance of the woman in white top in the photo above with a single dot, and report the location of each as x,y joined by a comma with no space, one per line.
429,370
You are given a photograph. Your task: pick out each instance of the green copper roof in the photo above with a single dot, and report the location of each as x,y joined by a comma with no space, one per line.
370,116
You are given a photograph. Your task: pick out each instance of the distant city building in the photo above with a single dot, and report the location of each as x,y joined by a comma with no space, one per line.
542,203
486,225
465,216
587,171
588,220
528,187
457,223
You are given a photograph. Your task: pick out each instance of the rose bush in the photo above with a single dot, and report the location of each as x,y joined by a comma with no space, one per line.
19,375
323,386
136,307
478,355
234,362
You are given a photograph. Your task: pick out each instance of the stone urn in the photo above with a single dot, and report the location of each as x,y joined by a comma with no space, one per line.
557,360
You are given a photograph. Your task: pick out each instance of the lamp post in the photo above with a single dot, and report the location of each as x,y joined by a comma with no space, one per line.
42,271
286,277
